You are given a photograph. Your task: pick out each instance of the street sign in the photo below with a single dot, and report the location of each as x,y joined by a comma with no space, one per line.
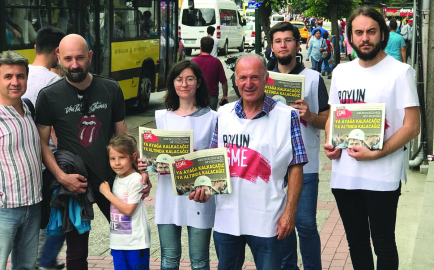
253,5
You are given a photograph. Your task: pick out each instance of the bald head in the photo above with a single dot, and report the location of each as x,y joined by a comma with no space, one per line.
73,41
74,58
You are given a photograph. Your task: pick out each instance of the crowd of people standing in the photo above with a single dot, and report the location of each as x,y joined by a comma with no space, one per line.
274,173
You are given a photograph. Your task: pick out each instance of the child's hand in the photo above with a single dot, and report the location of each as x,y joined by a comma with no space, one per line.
104,188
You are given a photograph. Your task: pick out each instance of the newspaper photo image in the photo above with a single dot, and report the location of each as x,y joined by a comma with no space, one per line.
206,169
156,146
287,87
359,124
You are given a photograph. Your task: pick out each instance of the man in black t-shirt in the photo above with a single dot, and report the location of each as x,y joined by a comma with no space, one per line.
85,111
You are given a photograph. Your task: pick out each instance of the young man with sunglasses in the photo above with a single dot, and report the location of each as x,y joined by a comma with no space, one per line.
313,110
86,110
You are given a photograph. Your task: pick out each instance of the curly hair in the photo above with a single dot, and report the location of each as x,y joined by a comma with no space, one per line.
172,98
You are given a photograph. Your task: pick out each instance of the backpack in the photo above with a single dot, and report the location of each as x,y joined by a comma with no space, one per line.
31,107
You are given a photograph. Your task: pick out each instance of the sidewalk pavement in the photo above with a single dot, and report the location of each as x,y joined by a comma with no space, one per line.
414,228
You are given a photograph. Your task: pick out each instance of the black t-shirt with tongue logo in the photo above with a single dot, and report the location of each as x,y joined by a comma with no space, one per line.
83,120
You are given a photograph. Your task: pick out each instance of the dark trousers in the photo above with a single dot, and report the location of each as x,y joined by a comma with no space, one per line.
77,244
407,49
365,215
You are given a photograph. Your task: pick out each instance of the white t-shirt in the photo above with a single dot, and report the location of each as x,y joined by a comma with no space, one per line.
179,210
259,153
310,134
215,48
39,77
391,82
129,233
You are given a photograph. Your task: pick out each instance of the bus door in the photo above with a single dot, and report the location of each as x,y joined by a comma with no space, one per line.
168,37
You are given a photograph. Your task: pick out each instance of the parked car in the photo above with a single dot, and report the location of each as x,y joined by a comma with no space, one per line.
249,30
276,19
304,33
222,14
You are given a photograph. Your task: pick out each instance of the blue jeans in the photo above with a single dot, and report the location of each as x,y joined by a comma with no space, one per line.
325,64
170,241
341,43
316,65
19,234
267,251
305,223
131,259
51,249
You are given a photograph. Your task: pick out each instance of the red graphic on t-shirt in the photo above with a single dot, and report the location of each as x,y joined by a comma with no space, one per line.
183,164
248,164
343,113
149,137
88,129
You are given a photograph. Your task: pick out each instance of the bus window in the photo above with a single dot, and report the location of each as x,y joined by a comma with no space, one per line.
66,16
23,23
124,20
148,21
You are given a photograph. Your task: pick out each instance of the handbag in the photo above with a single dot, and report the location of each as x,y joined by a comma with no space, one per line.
324,53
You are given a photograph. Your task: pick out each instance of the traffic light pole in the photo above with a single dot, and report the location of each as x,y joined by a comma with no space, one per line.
258,33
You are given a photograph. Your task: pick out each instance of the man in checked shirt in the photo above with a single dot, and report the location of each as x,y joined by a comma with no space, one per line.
263,142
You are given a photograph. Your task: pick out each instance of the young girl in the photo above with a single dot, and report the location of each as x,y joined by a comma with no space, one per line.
129,225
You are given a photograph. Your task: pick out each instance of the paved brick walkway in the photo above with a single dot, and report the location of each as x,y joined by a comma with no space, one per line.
334,246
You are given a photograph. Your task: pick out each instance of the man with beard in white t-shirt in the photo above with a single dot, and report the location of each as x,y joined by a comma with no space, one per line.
314,110
365,183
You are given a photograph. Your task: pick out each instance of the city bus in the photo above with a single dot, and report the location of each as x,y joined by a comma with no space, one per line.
134,41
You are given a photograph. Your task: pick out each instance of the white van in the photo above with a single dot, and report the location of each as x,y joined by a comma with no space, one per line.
195,18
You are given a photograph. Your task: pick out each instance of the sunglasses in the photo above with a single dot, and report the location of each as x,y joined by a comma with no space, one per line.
84,104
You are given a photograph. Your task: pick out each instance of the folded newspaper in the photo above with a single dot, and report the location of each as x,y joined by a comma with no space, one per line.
285,87
206,169
156,146
360,124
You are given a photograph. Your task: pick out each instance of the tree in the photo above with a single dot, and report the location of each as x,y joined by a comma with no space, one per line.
265,10
335,10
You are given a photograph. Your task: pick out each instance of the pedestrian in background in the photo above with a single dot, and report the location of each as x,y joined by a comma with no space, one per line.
215,48
316,46
407,34
396,45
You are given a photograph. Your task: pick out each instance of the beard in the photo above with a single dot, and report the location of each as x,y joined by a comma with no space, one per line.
370,55
285,60
76,75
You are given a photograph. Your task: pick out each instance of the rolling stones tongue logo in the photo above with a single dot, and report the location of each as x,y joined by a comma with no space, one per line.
88,129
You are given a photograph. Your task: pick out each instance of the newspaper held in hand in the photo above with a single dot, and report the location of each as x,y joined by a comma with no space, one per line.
360,124
206,169
288,86
156,146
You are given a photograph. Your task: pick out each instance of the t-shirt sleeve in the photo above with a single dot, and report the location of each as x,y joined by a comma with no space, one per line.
222,75
323,96
134,188
410,98
43,113
119,106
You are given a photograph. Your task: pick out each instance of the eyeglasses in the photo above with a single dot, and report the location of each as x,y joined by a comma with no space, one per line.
189,81
84,105
286,40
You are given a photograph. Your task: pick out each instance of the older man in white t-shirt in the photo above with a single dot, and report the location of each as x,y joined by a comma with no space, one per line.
365,183
263,141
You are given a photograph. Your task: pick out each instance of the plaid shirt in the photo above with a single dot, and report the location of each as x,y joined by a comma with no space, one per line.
298,150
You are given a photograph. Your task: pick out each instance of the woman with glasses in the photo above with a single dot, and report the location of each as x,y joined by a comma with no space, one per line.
187,108
317,45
